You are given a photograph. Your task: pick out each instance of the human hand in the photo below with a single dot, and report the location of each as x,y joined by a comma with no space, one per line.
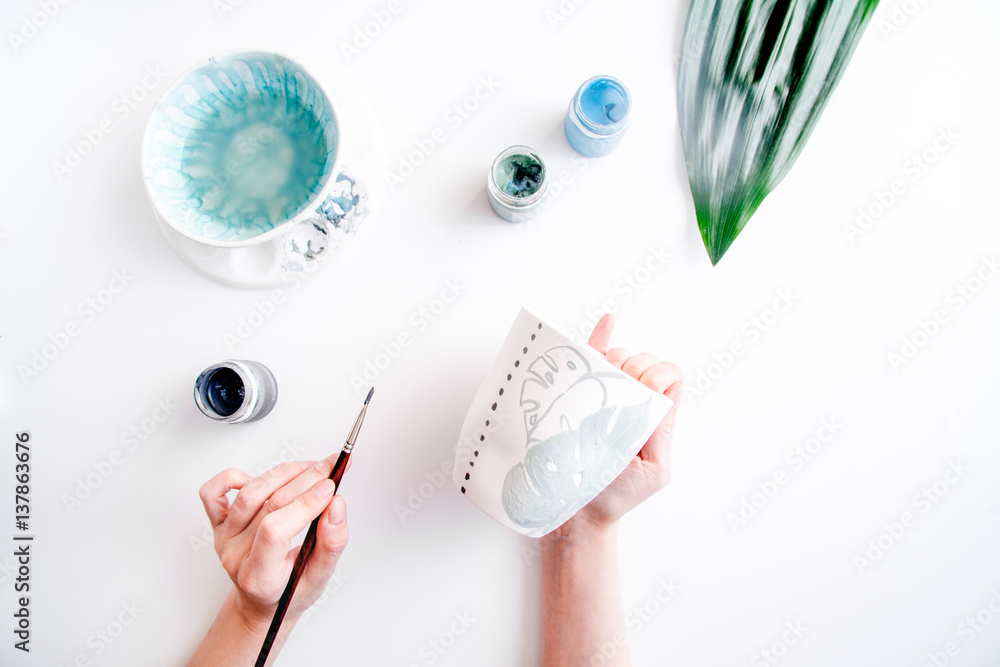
253,536
649,470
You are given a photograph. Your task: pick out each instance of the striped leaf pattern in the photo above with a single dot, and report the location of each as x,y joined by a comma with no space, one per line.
754,78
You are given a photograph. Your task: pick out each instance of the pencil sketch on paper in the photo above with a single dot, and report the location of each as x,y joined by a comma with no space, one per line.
580,435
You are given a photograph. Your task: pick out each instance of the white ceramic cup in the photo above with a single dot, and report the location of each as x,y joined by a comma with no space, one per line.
241,159
552,425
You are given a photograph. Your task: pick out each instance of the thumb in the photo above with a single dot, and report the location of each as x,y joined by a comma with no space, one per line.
600,337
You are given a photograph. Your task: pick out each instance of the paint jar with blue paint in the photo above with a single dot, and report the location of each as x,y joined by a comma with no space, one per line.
517,183
236,391
598,116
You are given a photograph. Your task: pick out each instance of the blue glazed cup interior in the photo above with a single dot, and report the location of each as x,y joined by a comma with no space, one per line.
238,146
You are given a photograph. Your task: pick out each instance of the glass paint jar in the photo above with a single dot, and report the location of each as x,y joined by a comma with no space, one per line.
598,116
236,391
517,183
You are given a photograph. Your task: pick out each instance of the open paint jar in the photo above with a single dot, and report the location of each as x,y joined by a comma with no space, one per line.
236,391
598,116
517,183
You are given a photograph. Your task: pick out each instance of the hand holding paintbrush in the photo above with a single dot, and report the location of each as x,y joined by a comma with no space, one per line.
339,468
253,541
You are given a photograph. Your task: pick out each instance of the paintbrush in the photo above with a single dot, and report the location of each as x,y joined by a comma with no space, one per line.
310,542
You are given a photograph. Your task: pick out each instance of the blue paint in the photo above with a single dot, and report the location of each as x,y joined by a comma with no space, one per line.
598,116
603,102
240,145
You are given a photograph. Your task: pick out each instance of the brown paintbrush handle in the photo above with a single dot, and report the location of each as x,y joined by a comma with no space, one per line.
308,545
339,468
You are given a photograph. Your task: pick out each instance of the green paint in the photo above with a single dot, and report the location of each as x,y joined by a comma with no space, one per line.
519,175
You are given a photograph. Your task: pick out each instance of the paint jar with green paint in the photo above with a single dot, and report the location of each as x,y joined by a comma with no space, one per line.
517,183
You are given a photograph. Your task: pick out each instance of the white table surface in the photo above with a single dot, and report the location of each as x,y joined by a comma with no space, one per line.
138,539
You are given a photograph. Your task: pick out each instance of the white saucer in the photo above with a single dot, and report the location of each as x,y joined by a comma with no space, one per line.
278,262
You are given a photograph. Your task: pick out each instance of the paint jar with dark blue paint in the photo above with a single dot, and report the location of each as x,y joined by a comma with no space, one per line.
598,116
236,391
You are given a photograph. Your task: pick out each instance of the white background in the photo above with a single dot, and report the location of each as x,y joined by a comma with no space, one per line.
137,537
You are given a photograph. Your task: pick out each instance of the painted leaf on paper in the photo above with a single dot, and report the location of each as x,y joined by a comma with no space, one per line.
754,78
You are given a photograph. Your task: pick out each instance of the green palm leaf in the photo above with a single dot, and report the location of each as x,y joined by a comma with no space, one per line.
754,78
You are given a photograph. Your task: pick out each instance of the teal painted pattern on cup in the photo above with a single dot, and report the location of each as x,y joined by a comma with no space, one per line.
239,145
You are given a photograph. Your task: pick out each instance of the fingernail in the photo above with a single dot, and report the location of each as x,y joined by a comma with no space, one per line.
324,489
306,464
322,466
338,511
